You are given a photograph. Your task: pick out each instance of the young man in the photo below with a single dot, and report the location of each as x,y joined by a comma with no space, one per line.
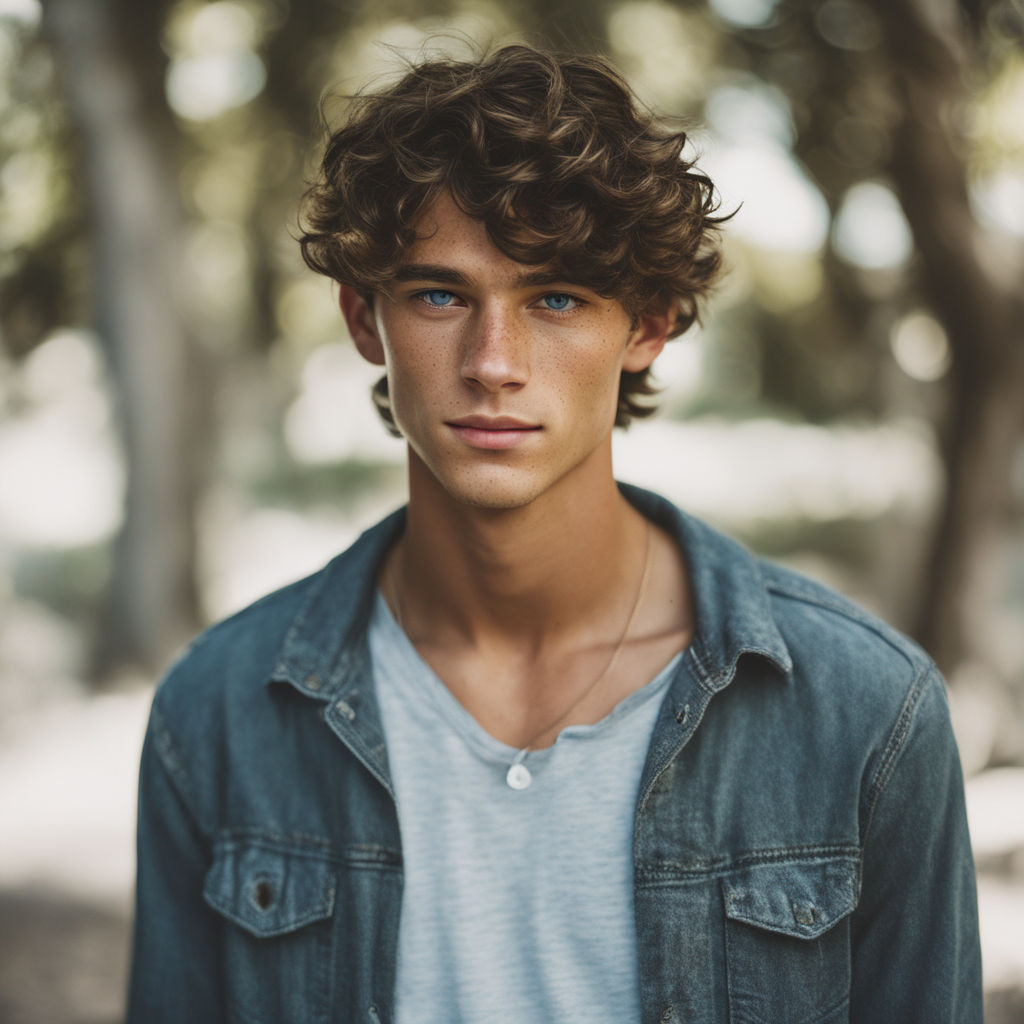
539,748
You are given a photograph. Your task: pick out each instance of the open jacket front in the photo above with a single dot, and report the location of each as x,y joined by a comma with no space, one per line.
800,848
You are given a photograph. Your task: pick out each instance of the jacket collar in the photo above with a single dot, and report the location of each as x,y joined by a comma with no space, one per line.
326,643
326,653
326,648
732,607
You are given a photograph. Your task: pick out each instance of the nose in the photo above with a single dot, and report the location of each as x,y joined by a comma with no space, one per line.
496,351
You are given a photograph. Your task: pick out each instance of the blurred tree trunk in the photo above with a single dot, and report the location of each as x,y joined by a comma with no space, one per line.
113,69
982,309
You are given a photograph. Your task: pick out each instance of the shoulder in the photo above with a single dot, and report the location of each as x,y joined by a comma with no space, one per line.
243,646
747,605
286,635
855,677
823,627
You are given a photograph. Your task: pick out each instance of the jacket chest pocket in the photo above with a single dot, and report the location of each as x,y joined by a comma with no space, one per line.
788,942
277,899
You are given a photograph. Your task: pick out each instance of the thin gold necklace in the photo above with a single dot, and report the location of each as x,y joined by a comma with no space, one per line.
518,775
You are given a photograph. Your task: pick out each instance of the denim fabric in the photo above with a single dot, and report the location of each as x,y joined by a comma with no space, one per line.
800,848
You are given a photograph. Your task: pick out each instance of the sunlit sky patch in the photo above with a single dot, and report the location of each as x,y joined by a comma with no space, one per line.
27,11
748,157
59,461
998,201
26,196
678,370
747,111
744,13
202,88
220,27
216,68
781,208
870,229
763,470
333,418
666,52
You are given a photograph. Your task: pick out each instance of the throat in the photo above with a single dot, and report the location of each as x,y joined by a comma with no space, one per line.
532,626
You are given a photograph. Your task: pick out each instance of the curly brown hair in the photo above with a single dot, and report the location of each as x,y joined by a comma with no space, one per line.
557,158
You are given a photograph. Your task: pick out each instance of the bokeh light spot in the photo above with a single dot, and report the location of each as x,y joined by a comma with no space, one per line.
28,12
745,13
782,210
921,347
205,87
871,231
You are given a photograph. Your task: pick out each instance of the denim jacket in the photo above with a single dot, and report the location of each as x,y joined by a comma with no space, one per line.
800,848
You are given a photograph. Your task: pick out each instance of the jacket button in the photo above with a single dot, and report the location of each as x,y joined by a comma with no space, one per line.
263,894
804,913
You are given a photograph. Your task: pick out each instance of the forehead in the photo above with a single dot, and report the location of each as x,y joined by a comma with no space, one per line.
446,235
454,248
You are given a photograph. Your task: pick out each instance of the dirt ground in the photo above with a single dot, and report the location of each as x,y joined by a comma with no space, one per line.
62,961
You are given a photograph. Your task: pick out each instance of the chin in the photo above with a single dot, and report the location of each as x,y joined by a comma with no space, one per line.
496,491
492,499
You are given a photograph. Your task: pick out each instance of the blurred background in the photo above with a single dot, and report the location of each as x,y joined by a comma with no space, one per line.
184,425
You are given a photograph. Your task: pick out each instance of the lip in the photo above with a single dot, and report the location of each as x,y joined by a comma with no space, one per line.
492,433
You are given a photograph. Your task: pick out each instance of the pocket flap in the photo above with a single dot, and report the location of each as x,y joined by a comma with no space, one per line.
803,899
269,887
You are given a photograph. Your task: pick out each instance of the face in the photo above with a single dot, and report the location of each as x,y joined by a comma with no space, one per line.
503,380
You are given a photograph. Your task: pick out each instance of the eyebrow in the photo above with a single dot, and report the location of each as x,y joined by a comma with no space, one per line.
449,275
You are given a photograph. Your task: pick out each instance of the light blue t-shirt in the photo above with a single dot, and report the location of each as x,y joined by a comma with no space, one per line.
518,904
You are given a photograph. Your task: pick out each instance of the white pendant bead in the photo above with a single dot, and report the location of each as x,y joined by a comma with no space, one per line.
518,776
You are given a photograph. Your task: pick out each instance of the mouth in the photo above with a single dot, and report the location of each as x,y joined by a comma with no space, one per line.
493,433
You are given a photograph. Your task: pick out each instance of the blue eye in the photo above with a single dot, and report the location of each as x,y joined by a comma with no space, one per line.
437,297
558,302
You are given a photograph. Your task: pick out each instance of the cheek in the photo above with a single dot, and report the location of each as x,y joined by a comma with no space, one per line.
591,374
414,368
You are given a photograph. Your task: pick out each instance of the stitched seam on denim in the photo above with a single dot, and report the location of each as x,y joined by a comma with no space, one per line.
716,682
310,847
731,982
713,682
171,762
321,912
694,724
730,969
794,932
702,670
322,908
893,748
819,1015
852,614
358,746
318,581
816,854
283,594
790,933
336,657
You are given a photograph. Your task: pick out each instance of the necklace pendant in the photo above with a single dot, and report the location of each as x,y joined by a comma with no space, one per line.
518,776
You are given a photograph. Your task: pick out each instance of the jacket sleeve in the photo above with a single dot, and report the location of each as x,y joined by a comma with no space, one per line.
175,963
916,956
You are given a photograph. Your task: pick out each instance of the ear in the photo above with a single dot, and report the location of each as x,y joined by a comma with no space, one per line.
362,325
647,339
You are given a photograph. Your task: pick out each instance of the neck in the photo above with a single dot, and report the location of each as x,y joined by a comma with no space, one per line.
520,576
